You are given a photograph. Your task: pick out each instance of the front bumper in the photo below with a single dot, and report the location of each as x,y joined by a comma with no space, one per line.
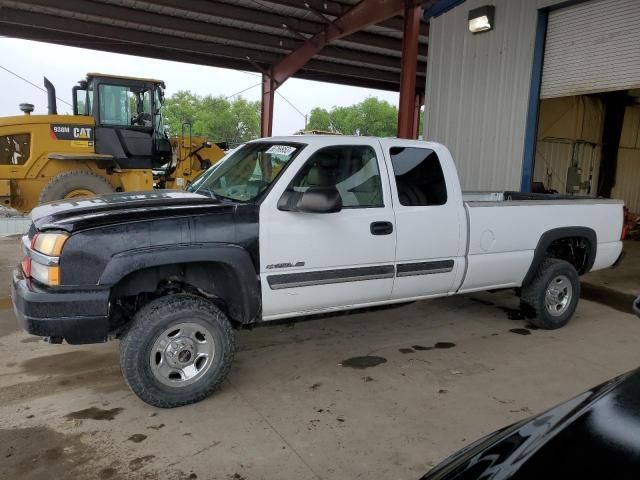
78,316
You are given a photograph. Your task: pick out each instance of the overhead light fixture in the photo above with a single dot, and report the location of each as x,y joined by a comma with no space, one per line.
481,19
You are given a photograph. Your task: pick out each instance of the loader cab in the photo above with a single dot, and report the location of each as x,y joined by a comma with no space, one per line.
129,124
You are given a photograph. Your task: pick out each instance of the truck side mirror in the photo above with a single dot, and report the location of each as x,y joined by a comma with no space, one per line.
313,200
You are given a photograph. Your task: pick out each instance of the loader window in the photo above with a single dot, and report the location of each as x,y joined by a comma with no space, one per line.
419,177
14,149
125,106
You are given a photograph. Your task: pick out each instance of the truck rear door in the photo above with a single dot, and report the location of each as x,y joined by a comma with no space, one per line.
431,224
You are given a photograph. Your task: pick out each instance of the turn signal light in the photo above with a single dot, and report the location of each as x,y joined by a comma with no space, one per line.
46,275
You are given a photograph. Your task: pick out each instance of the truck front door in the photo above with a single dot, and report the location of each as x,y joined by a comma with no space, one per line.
430,219
311,262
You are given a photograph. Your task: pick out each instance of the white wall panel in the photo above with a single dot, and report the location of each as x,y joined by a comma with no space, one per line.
477,91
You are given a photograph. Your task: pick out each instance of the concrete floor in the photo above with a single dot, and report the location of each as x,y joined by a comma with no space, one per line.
625,278
292,408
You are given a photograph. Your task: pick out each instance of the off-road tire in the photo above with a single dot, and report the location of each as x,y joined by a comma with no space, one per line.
66,182
148,323
533,295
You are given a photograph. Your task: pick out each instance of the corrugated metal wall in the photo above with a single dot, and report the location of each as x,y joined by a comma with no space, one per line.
477,91
627,184
592,47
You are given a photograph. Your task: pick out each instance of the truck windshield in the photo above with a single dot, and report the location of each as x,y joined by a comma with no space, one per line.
247,172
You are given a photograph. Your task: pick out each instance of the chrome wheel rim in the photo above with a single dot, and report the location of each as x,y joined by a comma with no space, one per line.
182,354
558,295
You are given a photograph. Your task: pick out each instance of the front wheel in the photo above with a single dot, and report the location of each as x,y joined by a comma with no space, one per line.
552,296
177,351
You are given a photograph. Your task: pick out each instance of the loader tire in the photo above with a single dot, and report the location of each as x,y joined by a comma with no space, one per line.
74,184
551,298
177,350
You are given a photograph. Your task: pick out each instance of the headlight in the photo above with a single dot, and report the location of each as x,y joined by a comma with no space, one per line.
50,243
42,257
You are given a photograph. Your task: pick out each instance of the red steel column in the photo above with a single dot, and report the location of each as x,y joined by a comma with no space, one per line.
416,115
266,109
406,110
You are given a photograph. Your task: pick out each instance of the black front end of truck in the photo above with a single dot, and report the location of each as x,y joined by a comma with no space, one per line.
76,316
79,256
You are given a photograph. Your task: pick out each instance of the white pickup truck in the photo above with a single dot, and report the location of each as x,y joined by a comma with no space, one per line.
293,226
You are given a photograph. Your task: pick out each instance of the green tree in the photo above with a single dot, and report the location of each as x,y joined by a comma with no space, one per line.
213,117
369,117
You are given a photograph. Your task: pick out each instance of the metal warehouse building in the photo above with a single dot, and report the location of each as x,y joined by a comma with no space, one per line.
545,97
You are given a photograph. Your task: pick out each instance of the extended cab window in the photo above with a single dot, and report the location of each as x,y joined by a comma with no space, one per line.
352,170
419,177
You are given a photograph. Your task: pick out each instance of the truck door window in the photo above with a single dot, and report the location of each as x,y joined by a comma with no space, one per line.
352,170
14,149
419,177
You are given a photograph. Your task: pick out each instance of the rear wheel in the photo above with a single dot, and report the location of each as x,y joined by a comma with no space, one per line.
74,185
552,296
177,351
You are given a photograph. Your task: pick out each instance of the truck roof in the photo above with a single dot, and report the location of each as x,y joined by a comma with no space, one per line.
337,139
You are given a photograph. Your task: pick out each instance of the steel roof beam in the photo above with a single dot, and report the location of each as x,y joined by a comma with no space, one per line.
366,12
362,14
186,28
336,9
178,56
208,45
110,38
258,18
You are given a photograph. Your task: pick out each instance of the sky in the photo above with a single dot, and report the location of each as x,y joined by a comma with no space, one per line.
64,66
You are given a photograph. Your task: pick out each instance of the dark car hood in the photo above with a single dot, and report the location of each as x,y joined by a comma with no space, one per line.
594,435
79,213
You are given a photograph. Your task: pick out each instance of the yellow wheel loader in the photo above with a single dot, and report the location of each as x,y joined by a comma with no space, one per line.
114,141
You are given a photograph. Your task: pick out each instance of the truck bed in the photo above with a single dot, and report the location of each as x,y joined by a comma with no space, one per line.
504,229
512,196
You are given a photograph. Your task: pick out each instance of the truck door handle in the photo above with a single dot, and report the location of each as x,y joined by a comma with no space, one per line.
381,228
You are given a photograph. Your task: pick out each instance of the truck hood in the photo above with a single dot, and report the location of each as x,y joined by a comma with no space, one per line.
593,435
75,214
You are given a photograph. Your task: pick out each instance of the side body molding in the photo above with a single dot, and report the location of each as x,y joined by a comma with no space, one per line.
235,271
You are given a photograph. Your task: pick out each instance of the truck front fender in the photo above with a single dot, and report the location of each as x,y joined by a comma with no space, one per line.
217,267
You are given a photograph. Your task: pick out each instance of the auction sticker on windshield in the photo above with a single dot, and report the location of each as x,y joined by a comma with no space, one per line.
281,149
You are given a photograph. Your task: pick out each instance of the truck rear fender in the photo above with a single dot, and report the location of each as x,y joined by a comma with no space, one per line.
224,271
557,236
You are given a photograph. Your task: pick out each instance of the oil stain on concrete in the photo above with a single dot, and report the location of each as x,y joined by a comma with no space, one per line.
42,453
98,371
137,437
422,348
521,331
361,363
94,413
